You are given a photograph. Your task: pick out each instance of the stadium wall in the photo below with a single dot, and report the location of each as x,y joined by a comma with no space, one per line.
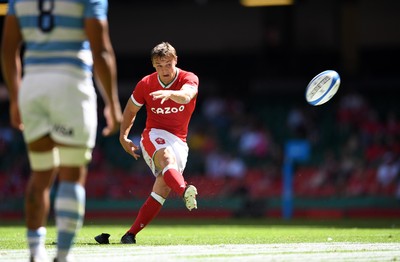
304,208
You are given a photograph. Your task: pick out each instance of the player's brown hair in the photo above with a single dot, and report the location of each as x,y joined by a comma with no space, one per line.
163,49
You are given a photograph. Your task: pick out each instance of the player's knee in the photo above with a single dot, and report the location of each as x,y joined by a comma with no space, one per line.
167,158
74,156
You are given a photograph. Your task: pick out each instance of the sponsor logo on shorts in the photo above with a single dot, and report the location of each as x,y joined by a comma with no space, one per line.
160,141
65,131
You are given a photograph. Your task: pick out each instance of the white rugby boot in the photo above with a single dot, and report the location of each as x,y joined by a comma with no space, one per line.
189,196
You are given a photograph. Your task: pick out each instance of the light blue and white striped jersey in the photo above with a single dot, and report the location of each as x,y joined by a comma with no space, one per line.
53,32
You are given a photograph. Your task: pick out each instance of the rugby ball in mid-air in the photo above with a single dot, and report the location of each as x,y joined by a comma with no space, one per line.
322,87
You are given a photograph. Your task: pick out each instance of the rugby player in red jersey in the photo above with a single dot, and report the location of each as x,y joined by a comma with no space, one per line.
169,95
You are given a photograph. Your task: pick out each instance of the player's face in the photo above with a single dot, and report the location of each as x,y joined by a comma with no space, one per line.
165,67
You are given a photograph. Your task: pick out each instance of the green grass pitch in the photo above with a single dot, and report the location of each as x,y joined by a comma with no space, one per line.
211,240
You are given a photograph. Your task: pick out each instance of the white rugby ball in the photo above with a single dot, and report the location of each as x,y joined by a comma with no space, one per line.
322,87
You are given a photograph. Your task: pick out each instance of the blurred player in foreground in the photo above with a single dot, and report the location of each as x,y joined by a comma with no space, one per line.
54,104
169,95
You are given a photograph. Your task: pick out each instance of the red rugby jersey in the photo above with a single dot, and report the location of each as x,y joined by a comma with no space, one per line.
170,116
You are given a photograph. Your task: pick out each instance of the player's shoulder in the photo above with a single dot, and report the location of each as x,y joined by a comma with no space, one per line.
183,74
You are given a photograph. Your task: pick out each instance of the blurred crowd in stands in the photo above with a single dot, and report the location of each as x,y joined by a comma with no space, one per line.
236,148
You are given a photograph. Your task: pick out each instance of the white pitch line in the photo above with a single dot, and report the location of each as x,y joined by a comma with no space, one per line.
310,252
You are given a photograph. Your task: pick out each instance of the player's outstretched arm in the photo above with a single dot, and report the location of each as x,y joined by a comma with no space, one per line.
183,96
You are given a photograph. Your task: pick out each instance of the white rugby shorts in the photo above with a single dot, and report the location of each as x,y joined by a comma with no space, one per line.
64,106
156,139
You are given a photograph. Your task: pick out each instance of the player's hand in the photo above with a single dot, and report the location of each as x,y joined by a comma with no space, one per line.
15,117
164,95
113,120
129,147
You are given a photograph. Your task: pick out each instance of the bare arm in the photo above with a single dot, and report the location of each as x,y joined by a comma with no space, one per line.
105,71
11,65
182,96
128,118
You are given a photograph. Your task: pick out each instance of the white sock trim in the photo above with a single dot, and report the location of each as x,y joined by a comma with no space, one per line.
158,198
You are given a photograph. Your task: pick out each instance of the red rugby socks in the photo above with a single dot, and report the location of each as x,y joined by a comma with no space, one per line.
147,212
175,181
